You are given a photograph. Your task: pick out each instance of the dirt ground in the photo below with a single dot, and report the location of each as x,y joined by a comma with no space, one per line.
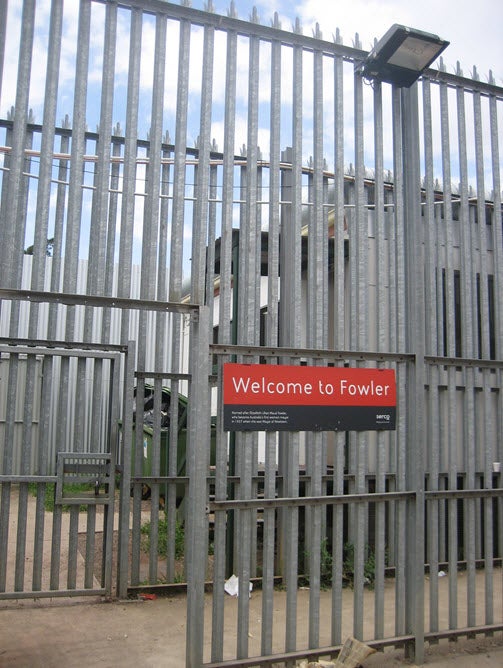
151,634
73,633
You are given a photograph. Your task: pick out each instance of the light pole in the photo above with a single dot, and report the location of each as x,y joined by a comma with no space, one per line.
400,58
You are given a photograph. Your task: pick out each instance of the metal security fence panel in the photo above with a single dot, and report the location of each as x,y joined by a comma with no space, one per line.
463,498
173,177
57,484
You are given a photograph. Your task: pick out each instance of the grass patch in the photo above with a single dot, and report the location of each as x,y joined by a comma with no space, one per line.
72,489
162,538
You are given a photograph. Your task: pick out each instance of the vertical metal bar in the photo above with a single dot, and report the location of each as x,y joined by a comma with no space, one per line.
415,342
398,340
497,232
3,32
228,276
339,342
468,339
164,324
148,267
91,547
42,467
431,256
137,465
129,170
177,225
29,367
226,242
112,431
316,338
212,232
108,289
272,340
219,538
290,335
489,438
468,306
201,211
178,211
56,282
173,470
340,225
155,469
46,159
55,545
12,231
451,350
433,506
248,333
197,467
431,260
78,150
8,464
380,237
360,308
484,344
126,457
73,532
98,231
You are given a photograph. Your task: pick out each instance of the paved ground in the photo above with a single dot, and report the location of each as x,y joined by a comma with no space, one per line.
151,634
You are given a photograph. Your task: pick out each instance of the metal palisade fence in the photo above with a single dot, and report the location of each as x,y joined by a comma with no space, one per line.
181,190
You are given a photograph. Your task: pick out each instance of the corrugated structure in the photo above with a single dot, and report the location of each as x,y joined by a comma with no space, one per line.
246,196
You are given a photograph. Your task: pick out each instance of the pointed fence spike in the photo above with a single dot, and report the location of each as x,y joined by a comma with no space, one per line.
232,13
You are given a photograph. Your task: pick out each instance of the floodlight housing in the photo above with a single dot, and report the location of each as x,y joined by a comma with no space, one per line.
402,55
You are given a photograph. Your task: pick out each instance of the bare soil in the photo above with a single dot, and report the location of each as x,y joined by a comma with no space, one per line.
71,633
151,634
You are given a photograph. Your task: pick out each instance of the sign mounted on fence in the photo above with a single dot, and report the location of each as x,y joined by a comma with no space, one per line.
260,397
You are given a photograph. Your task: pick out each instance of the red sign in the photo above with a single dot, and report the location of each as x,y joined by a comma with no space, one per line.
307,398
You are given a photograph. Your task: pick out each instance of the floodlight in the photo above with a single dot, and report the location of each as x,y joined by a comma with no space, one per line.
402,55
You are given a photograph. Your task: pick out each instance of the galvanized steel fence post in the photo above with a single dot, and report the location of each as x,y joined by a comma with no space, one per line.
198,448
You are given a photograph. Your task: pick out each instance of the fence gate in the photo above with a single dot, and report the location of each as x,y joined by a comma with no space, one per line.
59,410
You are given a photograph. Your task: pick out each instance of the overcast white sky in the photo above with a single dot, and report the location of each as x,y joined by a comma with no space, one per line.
474,29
